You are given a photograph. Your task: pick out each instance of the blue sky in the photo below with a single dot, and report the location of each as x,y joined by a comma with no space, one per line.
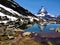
52,6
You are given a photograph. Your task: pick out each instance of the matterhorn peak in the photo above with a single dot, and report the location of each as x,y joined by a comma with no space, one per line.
42,10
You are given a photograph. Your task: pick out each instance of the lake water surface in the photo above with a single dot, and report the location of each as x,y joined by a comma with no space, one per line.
47,28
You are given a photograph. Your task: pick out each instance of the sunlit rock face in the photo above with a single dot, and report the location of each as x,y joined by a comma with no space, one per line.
26,33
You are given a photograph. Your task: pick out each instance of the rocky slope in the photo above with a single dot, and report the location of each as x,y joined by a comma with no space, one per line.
27,40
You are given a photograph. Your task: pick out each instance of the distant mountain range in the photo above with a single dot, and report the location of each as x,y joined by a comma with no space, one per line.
58,17
48,17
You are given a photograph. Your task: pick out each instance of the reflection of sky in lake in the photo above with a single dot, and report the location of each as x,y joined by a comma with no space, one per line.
53,26
36,28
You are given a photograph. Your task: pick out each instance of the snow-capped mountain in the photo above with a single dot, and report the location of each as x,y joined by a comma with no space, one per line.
10,13
7,12
13,11
16,7
44,14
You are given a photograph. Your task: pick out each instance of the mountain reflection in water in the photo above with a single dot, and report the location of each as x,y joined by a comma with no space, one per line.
47,36
34,28
47,28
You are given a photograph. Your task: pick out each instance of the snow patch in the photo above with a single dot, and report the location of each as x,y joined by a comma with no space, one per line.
10,10
10,17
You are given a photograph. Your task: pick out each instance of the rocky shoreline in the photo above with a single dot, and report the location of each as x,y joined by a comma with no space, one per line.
31,39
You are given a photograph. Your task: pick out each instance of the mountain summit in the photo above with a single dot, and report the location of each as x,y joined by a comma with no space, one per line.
42,13
42,10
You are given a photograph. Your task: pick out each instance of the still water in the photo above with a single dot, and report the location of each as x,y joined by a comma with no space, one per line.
46,28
